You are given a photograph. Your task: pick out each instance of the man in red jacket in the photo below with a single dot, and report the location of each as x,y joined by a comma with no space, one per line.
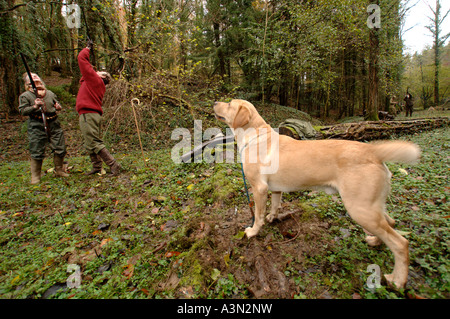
89,107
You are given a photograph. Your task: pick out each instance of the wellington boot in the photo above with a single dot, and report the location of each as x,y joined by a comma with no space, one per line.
59,166
96,164
110,161
36,166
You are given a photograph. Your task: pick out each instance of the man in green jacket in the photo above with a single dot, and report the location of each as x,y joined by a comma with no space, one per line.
29,105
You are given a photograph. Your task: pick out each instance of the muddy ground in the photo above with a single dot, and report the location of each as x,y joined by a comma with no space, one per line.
259,263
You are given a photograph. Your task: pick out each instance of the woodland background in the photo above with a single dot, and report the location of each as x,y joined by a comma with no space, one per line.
319,57
167,230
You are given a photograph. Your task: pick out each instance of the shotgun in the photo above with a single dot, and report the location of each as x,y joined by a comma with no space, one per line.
88,35
33,85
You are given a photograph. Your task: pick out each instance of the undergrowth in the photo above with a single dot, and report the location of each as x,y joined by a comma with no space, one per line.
126,233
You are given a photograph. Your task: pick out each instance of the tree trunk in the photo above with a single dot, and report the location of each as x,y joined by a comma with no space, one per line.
363,81
220,54
372,106
11,81
76,75
436,53
435,30
436,69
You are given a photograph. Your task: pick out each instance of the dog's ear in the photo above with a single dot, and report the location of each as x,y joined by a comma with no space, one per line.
242,117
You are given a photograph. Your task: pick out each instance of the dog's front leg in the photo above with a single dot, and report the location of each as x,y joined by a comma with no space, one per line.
260,197
276,200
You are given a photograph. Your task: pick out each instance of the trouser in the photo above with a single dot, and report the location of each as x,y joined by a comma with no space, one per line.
38,139
409,110
90,124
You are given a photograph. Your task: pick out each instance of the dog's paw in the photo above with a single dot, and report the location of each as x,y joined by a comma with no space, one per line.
393,283
251,232
373,241
270,218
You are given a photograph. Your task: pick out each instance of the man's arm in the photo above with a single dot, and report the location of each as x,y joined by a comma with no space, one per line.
26,107
86,69
55,102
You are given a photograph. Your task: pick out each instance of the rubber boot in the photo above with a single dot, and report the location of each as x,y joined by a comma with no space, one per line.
96,164
36,166
110,161
59,166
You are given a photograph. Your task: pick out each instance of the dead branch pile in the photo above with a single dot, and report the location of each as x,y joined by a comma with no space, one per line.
373,130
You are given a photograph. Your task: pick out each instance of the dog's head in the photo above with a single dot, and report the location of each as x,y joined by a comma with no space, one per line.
238,114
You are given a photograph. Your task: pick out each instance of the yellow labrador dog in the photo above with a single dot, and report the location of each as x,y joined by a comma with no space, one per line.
278,163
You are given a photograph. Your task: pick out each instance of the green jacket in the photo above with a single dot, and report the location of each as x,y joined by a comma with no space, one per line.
26,102
37,137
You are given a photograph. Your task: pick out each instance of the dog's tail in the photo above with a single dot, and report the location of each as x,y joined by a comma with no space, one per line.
397,151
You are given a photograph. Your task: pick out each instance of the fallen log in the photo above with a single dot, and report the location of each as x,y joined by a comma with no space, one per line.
373,130
361,131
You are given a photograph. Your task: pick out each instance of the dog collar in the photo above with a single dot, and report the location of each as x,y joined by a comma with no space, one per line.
268,129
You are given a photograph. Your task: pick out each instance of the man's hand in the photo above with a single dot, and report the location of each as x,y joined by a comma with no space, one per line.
38,103
58,107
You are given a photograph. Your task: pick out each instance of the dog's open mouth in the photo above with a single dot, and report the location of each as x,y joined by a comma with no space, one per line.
220,118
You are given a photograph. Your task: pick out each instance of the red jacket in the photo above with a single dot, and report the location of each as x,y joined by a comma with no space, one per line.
92,88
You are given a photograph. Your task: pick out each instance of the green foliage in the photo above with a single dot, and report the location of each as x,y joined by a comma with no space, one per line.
419,76
309,55
64,97
130,234
227,287
45,227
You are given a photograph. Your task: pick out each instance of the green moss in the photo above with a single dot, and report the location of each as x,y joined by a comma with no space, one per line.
220,187
308,211
195,275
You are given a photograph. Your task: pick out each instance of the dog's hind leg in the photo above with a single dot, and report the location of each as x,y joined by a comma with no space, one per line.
276,200
365,203
260,196
373,220
373,240
399,246
390,220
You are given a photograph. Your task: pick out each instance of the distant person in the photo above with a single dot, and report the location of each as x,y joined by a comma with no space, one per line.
409,104
30,105
393,105
89,107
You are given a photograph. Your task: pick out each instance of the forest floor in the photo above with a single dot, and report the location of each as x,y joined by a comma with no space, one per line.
167,230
